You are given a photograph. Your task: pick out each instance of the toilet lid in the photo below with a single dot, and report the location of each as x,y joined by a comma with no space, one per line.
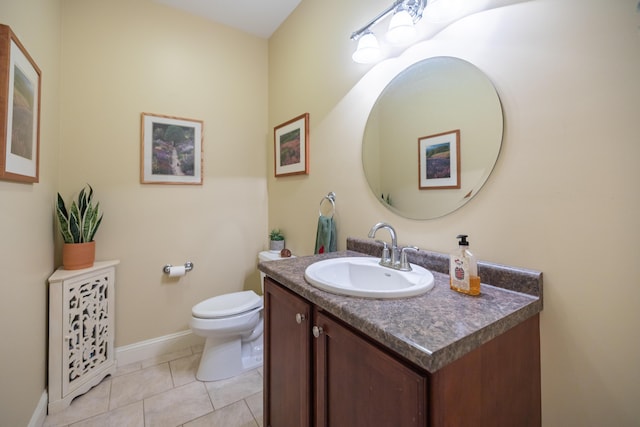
227,305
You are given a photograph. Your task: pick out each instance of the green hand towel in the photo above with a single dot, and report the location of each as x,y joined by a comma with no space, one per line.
326,237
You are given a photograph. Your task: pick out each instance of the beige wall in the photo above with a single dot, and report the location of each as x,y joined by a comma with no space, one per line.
26,245
563,198
121,58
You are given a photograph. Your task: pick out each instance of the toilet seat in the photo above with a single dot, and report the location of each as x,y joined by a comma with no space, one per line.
227,305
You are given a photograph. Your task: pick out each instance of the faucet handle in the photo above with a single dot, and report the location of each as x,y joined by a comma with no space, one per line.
385,259
404,264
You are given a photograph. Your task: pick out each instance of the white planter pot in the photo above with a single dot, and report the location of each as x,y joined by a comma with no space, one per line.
276,245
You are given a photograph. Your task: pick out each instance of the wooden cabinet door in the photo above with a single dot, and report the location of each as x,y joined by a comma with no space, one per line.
287,365
359,385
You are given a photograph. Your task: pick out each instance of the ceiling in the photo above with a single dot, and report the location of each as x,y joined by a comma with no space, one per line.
258,17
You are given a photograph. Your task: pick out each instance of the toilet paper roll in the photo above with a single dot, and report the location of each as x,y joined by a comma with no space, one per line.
177,271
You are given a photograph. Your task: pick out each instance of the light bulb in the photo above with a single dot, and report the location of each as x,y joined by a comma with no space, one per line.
401,28
368,50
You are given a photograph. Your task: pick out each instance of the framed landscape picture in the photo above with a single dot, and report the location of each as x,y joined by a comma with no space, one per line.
291,147
439,161
171,151
19,110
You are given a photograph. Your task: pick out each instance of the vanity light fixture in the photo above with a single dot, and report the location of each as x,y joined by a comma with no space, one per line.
368,50
401,29
406,13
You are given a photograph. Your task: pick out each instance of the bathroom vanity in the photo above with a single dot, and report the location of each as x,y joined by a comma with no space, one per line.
438,359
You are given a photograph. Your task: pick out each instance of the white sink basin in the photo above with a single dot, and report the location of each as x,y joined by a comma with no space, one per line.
364,277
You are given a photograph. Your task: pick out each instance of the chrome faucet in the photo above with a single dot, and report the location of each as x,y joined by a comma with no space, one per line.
393,261
393,257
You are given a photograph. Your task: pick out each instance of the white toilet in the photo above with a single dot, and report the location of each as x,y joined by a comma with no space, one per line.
232,325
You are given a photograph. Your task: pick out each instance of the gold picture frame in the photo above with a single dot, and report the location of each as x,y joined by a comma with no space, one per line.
291,147
171,150
20,82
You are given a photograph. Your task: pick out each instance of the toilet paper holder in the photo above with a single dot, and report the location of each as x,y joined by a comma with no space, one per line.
188,266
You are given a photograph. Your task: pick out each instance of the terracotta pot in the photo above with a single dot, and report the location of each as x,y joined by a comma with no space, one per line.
76,256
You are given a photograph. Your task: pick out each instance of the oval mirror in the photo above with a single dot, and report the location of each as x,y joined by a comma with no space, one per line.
432,138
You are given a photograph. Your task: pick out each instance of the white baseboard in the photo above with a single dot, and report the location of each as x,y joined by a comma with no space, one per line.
154,347
37,419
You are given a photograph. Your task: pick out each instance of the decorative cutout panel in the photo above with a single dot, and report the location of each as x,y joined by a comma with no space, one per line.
88,327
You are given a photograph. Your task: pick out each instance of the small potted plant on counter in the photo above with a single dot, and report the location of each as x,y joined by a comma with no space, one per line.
78,226
276,240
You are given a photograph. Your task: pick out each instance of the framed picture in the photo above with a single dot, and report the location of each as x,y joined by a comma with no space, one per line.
171,150
19,110
291,147
439,161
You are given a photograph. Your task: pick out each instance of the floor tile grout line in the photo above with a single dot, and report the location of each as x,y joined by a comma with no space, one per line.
209,396
146,397
144,417
249,409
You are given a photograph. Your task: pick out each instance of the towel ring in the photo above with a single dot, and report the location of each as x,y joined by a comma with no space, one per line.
331,197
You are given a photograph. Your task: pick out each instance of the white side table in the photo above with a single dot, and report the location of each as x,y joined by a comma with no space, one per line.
81,331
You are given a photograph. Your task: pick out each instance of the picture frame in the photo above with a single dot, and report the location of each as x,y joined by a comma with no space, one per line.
20,88
439,161
291,147
171,150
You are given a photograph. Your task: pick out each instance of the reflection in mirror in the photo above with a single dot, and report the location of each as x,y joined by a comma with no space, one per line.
432,97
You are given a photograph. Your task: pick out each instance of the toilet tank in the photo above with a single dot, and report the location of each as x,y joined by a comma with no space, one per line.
268,256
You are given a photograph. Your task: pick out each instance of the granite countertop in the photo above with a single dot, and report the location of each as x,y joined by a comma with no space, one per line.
431,330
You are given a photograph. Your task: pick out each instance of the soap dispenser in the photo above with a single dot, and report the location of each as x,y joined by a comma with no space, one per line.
463,269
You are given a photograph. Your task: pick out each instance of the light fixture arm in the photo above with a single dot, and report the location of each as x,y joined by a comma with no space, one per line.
414,7
358,33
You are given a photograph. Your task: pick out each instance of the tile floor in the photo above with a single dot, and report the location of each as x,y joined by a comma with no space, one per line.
164,392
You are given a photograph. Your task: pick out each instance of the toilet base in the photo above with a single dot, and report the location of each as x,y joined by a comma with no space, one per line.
226,357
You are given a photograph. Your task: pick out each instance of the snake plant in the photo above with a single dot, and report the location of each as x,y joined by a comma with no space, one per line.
80,223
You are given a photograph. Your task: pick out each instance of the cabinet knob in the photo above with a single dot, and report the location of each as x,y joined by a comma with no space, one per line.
317,331
300,317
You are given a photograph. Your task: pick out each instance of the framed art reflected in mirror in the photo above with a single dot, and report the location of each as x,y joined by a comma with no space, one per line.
439,161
